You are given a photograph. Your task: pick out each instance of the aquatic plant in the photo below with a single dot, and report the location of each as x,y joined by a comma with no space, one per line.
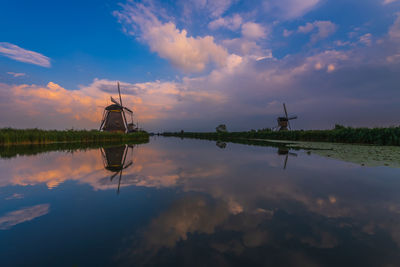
10,136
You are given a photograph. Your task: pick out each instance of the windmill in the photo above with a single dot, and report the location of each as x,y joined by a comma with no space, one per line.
114,160
283,122
114,117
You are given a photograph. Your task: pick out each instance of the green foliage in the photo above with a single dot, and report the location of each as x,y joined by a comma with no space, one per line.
9,136
340,134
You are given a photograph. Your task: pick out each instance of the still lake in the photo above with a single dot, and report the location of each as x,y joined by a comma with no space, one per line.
174,202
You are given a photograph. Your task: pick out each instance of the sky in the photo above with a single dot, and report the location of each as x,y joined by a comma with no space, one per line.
195,64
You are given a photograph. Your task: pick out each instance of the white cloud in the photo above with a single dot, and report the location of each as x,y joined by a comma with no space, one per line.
289,9
191,54
247,48
215,7
366,39
232,23
287,33
306,28
23,215
253,30
323,29
16,74
17,53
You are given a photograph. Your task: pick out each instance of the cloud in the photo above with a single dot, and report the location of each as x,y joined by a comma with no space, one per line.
321,86
232,23
246,48
23,215
323,29
287,33
251,30
366,39
53,106
385,2
15,196
394,31
190,54
194,215
215,8
15,74
17,53
289,9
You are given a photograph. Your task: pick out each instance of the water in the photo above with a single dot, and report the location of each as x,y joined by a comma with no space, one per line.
196,203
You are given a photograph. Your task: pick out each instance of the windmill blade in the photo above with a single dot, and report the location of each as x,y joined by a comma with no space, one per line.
127,109
115,101
103,120
112,176
130,163
119,92
284,107
119,181
123,164
288,123
292,118
286,158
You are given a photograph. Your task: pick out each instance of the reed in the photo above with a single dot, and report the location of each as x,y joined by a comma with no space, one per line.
9,136
340,134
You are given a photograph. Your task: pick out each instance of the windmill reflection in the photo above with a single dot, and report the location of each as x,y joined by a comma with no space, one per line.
284,151
220,144
114,160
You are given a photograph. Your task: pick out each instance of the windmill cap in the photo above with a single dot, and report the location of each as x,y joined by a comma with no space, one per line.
114,107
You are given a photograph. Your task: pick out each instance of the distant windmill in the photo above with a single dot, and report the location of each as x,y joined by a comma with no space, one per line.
283,122
114,117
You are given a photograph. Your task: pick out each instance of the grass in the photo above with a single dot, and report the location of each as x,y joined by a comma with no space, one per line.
340,134
9,136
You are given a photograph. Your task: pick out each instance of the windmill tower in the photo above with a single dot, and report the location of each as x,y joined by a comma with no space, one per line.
283,122
114,117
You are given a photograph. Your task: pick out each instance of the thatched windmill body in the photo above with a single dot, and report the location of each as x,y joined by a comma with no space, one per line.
114,117
283,122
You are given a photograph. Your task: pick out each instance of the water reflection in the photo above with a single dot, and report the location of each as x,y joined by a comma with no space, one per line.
284,151
244,206
220,144
115,161
22,215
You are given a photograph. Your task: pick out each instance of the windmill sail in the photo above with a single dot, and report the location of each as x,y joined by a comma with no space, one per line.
114,101
120,98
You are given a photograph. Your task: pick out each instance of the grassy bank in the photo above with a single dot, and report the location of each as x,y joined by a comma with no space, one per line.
9,136
340,134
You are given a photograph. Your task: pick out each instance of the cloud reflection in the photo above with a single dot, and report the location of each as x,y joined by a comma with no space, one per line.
23,215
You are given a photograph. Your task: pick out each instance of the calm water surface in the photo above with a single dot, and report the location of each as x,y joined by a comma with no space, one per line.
176,202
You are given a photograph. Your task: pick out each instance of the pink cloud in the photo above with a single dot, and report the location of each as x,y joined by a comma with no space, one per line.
190,54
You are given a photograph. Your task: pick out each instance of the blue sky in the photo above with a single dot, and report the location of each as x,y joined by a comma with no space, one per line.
194,64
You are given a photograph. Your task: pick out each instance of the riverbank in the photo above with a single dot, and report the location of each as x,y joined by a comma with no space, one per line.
9,136
340,134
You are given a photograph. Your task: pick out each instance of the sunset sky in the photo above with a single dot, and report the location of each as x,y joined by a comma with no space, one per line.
193,64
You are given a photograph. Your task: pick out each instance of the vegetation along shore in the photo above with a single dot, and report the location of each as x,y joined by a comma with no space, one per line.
340,134
9,136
